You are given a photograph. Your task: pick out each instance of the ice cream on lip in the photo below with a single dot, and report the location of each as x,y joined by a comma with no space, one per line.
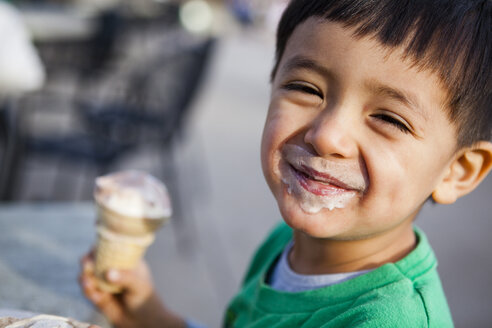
317,182
343,175
133,193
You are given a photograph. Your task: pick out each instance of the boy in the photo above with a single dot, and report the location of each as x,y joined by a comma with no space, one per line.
375,107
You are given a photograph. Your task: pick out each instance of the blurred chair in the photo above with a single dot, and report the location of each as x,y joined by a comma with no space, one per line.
5,145
84,54
21,72
150,111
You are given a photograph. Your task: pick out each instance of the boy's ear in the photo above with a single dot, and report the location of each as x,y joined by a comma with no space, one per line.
465,173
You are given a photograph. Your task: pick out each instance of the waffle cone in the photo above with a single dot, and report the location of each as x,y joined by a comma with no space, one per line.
118,251
128,225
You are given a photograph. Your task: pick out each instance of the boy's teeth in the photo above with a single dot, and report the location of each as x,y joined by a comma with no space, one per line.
311,177
321,181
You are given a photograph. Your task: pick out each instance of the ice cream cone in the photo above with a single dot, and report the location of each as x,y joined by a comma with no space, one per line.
131,206
117,251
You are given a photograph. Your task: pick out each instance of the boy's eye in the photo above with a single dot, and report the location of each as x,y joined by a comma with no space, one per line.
393,121
303,87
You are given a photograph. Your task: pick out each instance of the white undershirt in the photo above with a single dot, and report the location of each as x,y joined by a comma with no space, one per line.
285,279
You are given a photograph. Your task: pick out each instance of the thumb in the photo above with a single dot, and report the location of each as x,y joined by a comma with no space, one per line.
137,287
126,279
135,281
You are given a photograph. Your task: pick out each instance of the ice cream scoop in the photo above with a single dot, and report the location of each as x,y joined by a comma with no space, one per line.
133,194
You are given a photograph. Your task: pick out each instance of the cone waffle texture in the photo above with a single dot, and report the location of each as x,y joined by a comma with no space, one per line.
118,251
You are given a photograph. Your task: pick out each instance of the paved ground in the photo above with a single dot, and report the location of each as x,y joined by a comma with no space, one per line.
198,260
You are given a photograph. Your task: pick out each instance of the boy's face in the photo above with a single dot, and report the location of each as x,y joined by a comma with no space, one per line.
353,127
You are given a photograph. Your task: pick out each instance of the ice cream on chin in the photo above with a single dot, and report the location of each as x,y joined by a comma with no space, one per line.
132,205
318,183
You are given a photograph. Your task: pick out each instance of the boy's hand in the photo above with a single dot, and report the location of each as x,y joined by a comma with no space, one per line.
136,306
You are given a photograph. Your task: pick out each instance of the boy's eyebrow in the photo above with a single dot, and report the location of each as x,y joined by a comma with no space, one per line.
401,96
409,100
301,62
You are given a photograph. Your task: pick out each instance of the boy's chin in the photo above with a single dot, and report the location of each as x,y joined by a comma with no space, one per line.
323,224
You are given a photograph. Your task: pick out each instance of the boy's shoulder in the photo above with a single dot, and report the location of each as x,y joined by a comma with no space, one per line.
407,293
388,297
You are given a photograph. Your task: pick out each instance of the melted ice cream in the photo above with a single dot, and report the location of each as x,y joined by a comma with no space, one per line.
347,174
134,194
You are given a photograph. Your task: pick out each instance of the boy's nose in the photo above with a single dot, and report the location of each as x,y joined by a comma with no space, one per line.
332,134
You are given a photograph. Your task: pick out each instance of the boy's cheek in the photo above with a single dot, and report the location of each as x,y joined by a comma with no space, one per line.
272,134
266,155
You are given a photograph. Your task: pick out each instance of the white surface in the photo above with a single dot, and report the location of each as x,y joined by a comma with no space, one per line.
20,67
41,321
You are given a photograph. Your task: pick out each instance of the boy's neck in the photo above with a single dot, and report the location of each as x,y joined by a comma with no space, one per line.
325,256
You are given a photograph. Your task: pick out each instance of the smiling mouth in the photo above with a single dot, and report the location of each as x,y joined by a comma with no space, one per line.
317,183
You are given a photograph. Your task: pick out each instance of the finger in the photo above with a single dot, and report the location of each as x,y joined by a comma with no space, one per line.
104,301
87,262
89,288
124,278
87,278
112,308
88,266
90,254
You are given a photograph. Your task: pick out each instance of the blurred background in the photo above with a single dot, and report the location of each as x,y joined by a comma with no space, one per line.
179,89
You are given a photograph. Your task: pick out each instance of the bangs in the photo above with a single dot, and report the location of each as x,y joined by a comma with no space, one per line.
450,38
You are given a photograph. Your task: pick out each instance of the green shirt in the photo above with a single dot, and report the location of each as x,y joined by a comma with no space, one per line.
407,293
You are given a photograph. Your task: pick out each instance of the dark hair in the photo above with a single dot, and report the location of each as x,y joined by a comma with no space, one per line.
449,37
